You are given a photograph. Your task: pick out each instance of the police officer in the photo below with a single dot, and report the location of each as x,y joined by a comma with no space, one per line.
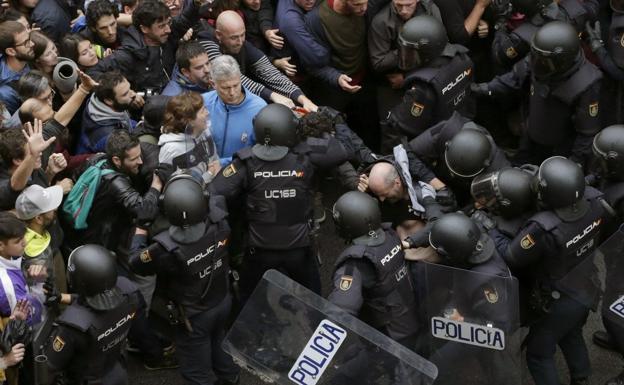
510,46
457,150
564,94
437,80
611,60
192,255
275,177
371,273
608,148
86,343
554,242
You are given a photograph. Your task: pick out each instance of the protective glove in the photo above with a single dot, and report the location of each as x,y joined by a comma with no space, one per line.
164,171
480,89
52,293
483,219
146,216
419,238
594,37
446,198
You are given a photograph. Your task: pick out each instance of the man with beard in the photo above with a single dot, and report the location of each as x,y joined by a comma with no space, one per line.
105,112
16,49
193,72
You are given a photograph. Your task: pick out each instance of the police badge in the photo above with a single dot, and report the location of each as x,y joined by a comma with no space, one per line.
229,171
58,344
145,256
593,109
491,295
511,52
527,242
345,282
417,109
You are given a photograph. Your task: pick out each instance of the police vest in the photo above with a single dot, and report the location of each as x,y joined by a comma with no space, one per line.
551,109
575,240
279,199
451,82
392,295
107,330
201,279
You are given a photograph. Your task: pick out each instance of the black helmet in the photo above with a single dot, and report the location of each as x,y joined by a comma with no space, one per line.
356,214
421,39
92,274
506,192
555,49
559,183
185,204
468,153
609,148
617,6
276,125
456,238
530,7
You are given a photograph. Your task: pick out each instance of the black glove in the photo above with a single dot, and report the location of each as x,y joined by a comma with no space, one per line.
52,293
594,36
146,216
446,198
15,332
419,238
480,89
483,219
164,171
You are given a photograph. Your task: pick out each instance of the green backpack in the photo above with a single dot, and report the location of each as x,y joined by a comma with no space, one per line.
79,200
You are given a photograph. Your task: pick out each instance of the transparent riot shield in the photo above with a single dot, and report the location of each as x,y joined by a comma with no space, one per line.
286,334
611,254
472,325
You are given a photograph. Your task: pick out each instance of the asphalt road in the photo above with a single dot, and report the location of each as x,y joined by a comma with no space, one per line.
605,364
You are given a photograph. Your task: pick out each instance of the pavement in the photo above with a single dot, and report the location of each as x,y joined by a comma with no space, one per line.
605,364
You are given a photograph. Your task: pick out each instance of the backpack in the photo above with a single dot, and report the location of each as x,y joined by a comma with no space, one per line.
79,200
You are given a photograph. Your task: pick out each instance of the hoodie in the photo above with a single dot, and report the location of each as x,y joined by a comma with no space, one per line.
180,83
13,288
98,121
8,85
173,146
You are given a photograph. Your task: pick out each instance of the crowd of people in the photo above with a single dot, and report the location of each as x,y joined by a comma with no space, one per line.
164,154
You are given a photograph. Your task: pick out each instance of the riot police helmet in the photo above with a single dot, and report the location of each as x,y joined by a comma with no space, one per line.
459,241
356,214
185,204
617,6
559,183
506,192
468,153
530,7
276,125
421,39
92,274
608,147
555,50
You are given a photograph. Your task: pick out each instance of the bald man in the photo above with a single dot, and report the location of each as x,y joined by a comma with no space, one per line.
270,83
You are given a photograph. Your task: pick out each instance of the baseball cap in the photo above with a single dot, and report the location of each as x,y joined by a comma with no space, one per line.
36,200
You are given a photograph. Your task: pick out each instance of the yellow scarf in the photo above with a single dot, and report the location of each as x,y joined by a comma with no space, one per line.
36,243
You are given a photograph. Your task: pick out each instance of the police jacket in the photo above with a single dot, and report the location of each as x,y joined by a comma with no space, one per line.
429,148
373,281
555,246
196,272
87,344
434,92
277,195
558,106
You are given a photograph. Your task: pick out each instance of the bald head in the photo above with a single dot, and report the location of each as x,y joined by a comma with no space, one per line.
34,108
384,182
230,32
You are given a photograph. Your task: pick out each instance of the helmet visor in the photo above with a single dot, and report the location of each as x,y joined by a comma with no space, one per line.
484,190
409,57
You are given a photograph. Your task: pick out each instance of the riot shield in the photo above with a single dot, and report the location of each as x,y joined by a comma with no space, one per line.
612,254
286,334
472,323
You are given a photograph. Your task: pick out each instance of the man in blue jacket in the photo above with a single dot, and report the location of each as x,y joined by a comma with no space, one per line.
232,109
16,49
192,72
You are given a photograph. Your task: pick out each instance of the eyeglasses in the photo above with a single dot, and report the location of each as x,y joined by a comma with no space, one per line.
24,43
49,97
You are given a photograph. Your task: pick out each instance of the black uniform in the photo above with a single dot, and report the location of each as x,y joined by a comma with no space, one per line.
432,94
429,148
555,247
509,47
611,60
86,344
196,275
277,199
555,109
373,281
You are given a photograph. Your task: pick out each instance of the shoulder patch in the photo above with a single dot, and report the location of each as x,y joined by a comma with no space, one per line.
593,109
58,344
417,109
527,242
229,170
345,282
145,256
491,295
511,52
